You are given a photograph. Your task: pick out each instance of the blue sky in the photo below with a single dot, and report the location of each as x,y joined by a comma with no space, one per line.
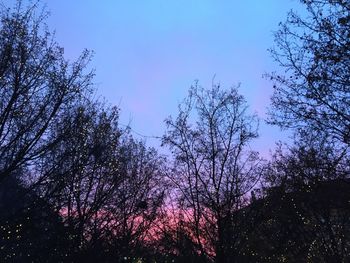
149,52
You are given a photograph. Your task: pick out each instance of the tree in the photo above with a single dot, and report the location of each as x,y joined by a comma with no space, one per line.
175,242
37,85
213,167
66,151
137,199
305,211
312,97
307,162
78,176
314,92
106,185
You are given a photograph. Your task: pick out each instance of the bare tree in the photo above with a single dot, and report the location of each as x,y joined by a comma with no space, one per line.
312,97
213,167
314,51
106,185
67,148
37,84
79,175
137,199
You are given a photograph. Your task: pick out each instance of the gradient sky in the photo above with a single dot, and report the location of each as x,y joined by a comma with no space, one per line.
149,52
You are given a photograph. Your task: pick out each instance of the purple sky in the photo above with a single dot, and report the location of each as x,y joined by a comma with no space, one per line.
148,53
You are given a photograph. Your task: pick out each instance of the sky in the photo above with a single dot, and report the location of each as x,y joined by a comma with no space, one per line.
147,53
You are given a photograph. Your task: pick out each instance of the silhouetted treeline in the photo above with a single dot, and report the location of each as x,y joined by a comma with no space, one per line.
76,187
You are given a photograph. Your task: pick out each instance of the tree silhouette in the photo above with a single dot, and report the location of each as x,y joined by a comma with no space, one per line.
75,187
79,174
311,178
37,84
314,51
213,166
137,199
305,211
106,185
